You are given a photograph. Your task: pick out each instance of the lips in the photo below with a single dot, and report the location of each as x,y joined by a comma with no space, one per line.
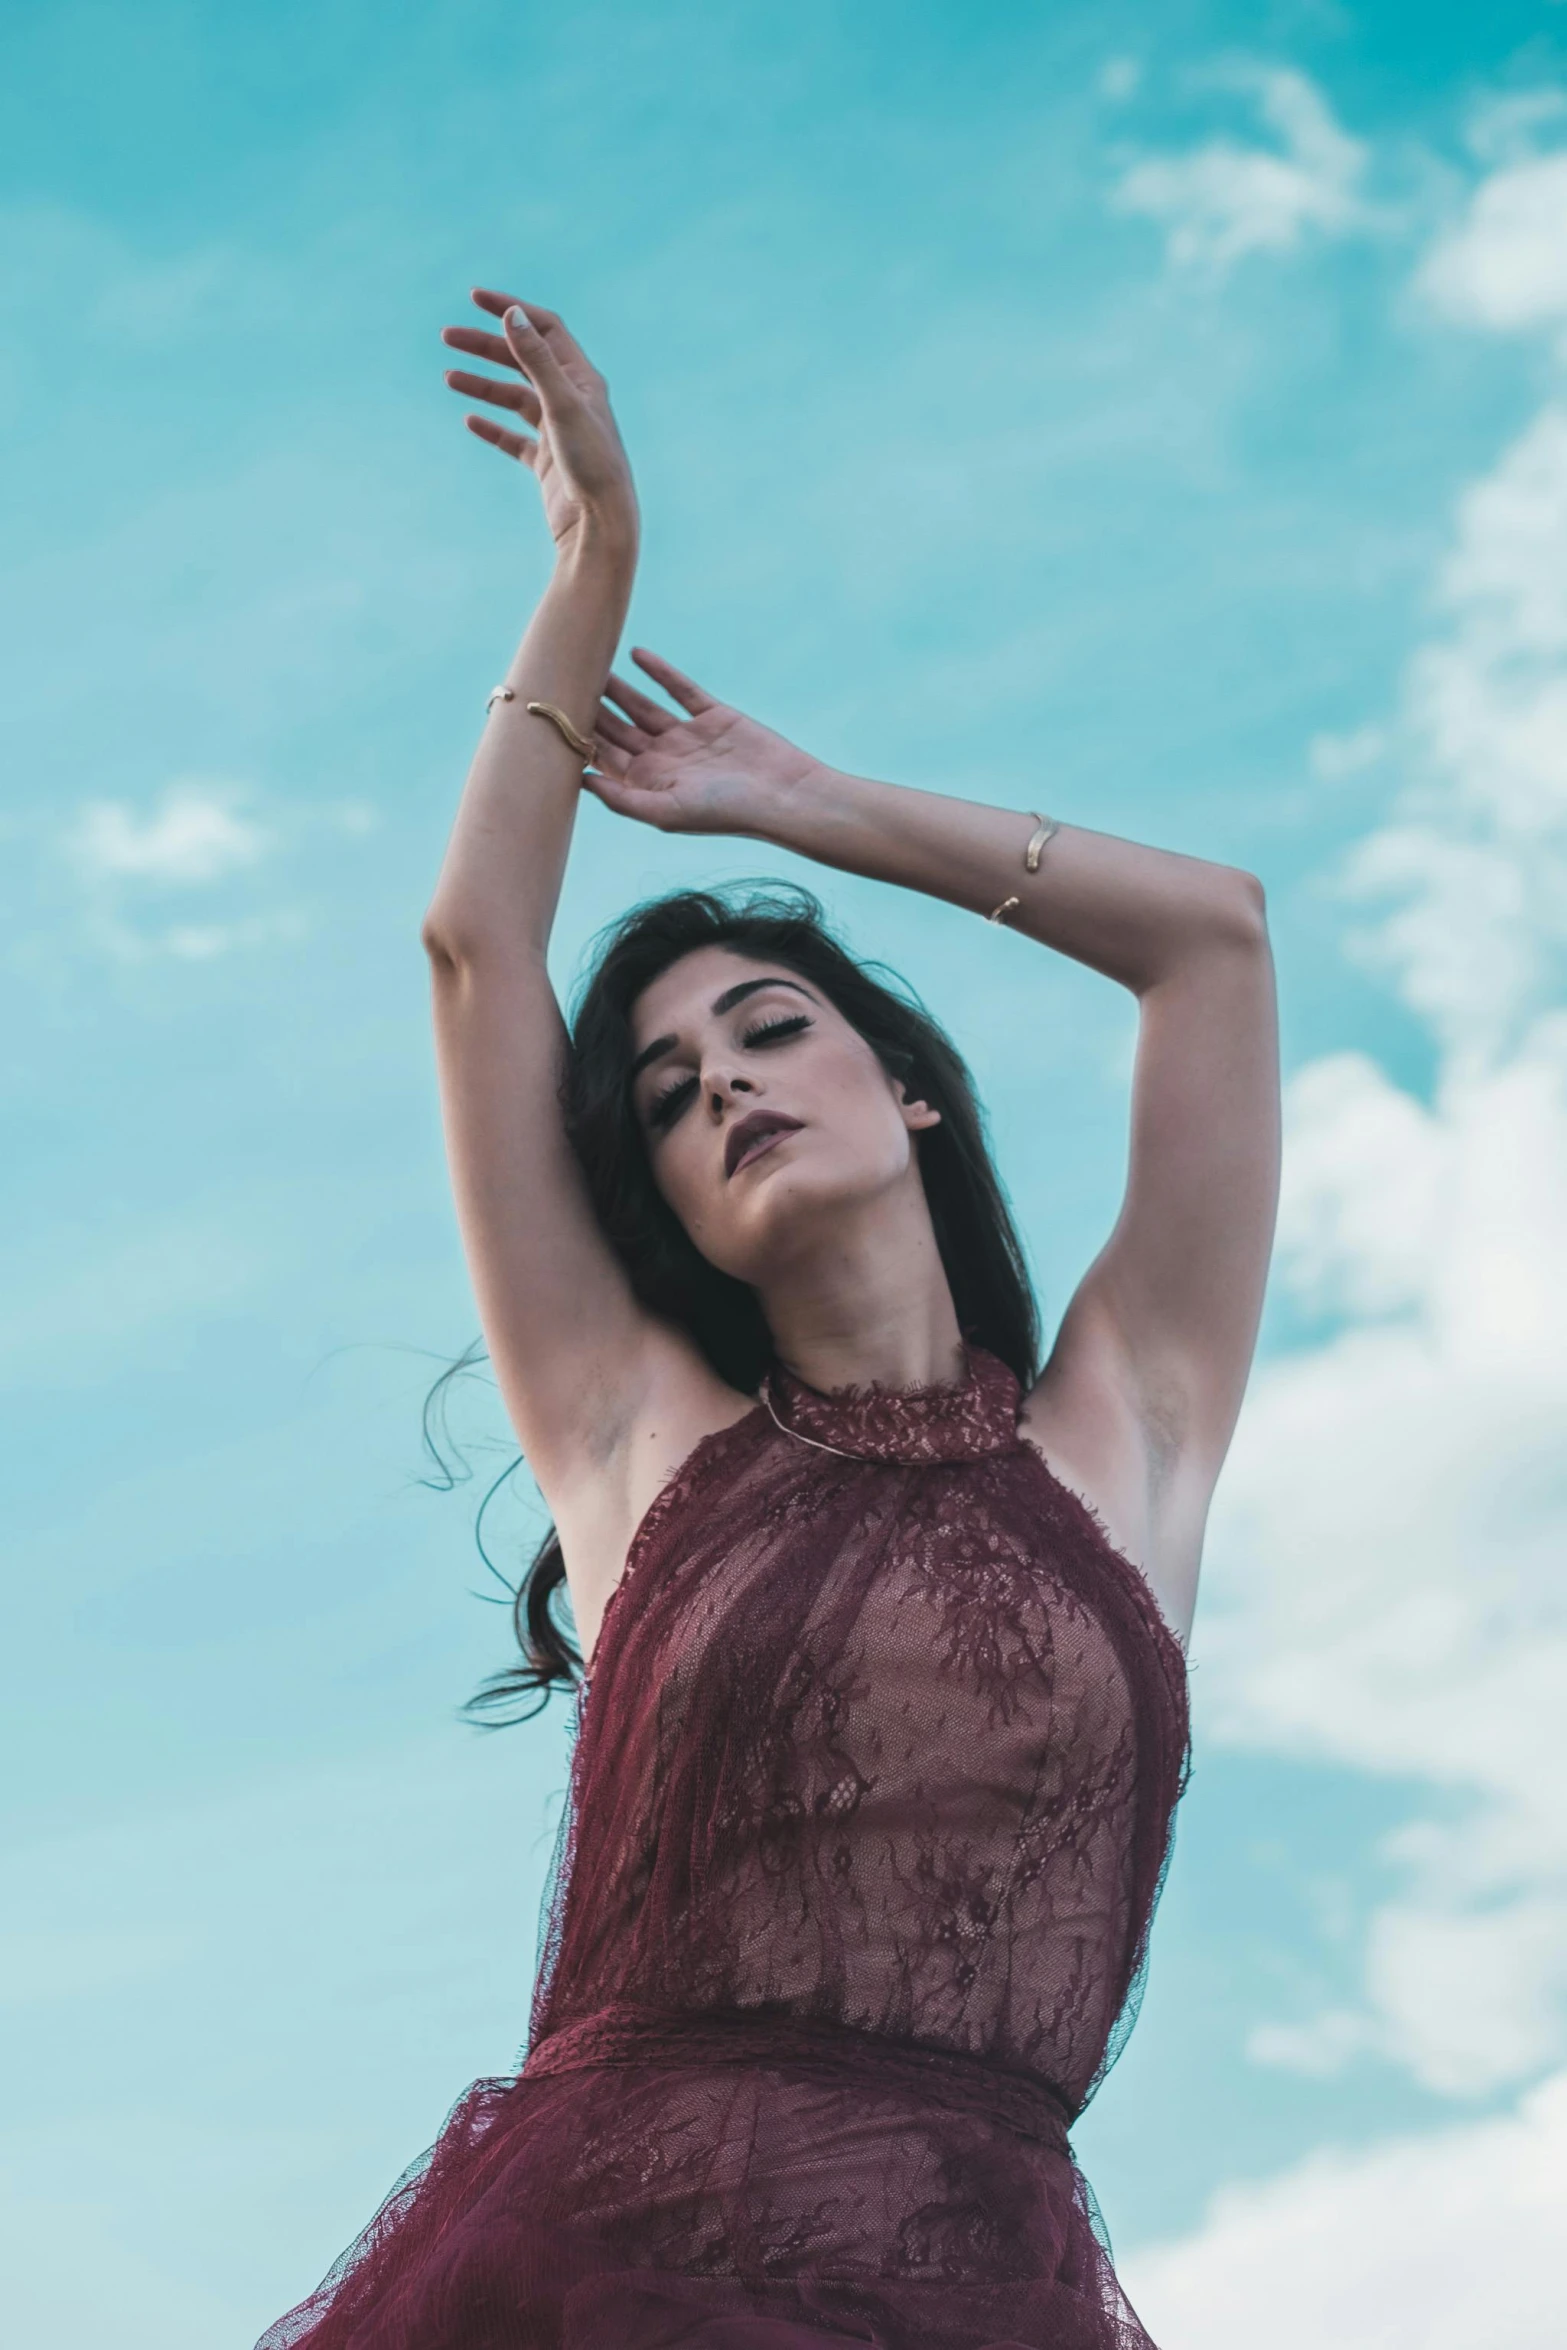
753,1134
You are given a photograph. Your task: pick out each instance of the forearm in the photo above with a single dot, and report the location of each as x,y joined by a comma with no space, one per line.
1134,913
504,863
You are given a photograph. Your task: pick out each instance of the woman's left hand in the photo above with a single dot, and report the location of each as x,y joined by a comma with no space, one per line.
577,456
715,770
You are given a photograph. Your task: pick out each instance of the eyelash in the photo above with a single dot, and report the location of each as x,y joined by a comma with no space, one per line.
666,1107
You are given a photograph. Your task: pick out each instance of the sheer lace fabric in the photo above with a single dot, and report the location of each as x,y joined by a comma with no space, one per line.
870,1803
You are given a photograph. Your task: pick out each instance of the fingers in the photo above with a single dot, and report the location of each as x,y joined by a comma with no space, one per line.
521,347
549,323
499,391
486,298
644,807
608,756
537,354
639,707
515,444
478,345
610,728
534,344
676,684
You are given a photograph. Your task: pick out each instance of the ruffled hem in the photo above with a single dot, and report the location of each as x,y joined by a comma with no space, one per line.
492,2243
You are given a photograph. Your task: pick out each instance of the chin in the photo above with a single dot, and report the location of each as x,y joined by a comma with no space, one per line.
791,1211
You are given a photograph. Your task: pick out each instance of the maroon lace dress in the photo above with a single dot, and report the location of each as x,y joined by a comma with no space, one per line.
870,1801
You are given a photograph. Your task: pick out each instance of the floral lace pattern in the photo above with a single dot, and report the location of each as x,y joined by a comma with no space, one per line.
917,1425
870,1803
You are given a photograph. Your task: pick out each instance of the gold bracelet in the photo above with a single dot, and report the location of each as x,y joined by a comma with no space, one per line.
582,744
1048,828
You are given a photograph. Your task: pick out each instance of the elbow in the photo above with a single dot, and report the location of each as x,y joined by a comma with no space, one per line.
1220,926
1240,908
453,943
463,946
439,940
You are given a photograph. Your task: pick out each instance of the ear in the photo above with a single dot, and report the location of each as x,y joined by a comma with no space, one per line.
918,1116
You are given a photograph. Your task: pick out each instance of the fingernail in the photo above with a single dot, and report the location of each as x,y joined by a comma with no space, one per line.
517,319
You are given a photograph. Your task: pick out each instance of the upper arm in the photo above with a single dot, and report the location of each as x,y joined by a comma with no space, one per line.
1147,1376
581,1366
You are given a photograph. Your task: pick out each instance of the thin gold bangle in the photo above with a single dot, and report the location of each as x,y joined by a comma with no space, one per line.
582,744
1048,828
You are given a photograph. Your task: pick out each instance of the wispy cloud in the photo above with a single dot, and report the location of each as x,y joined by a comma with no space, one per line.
1472,864
196,833
197,836
1349,2248
1362,1205
1503,264
1227,198
1386,1588
1387,1578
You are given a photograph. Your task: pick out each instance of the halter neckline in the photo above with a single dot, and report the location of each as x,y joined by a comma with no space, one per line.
963,1422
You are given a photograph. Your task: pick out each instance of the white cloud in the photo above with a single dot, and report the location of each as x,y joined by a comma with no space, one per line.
1387,1587
1446,2242
1318,2049
196,834
1504,127
1360,1215
1474,855
1504,264
1224,200
1386,1577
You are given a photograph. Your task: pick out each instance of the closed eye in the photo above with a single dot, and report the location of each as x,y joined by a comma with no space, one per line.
666,1107
774,1031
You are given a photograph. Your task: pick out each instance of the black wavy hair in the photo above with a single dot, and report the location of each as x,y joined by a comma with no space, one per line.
778,923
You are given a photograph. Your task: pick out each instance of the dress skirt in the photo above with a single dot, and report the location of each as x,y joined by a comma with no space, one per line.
733,2186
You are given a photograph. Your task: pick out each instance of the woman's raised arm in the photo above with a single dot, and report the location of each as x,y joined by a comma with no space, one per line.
1138,1401
582,1369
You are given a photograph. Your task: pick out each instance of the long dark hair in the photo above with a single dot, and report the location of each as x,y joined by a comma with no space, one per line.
980,1251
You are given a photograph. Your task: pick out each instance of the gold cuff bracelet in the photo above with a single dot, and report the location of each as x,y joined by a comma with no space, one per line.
582,744
1048,828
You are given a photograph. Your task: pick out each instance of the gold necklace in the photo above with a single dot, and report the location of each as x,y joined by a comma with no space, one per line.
798,1435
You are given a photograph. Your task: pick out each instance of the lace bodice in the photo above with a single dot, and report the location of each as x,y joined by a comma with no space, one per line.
882,1734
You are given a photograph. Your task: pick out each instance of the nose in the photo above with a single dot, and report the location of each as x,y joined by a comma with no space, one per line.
723,1086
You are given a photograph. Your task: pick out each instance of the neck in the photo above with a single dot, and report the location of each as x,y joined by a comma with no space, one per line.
870,1305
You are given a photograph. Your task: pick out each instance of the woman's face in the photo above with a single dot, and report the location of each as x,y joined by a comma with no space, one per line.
763,1111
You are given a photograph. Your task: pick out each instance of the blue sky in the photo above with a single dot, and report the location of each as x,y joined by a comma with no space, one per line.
1153,415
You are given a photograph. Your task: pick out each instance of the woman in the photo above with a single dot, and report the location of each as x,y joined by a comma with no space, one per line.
885,1715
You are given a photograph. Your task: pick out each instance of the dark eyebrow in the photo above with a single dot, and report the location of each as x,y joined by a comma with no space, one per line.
719,1005
737,995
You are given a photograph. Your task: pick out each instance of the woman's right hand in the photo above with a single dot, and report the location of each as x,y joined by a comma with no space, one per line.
578,458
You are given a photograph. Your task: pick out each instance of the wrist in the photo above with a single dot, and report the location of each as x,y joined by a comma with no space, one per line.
798,804
606,543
